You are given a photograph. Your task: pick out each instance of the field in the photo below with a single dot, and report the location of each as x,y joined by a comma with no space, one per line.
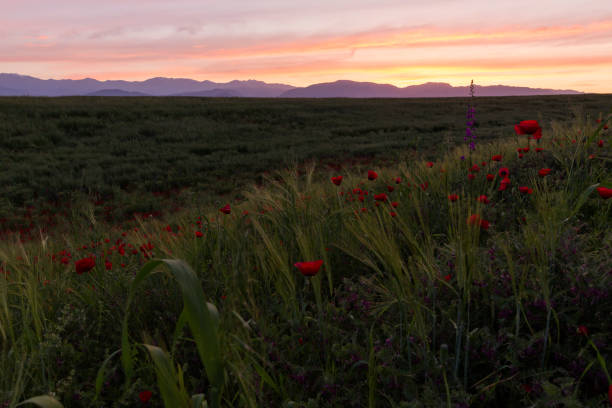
427,276
125,149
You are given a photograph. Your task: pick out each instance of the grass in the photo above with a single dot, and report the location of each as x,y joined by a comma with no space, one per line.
414,306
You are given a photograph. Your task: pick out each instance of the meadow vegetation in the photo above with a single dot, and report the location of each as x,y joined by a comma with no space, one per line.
425,281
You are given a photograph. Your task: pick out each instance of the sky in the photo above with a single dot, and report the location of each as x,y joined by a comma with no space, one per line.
558,44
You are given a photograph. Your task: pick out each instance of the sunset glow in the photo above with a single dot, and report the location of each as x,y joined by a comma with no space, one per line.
551,44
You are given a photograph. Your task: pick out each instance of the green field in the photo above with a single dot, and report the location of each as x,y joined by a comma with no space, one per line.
443,282
52,146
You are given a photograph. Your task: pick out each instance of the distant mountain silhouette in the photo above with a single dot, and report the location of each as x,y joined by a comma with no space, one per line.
351,89
115,92
213,93
18,85
27,85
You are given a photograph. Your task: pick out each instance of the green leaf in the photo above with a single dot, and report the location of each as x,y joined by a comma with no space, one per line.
100,375
44,401
168,380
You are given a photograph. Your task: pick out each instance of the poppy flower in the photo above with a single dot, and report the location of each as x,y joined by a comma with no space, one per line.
453,197
364,210
447,277
390,188
504,172
398,180
337,180
65,260
471,176
600,143
424,186
226,209
393,213
475,168
475,219
484,163
394,204
372,175
199,234
539,150
525,190
145,396
357,191
430,164
529,127
108,265
309,268
525,149
84,265
520,156
380,197
582,330
504,184
604,192
483,199
605,127
497,158
544,172
490,177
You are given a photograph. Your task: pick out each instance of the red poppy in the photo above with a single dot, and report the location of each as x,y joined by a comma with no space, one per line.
525,149
309,268
199,234
539,150
372,175
544,172
398,180
453,197
520,156
605,127
525,190
145,396
600,143
393,213
598,120
65,260
430,164
226,209
380,197
394,204
85,265
483,199
604,192
490,177
471,176
361,198
475,168
529,127
582,330
337,180
447,277
357,191
610,394
497,158
108,265
504,184
484,163
364,210
504,172
390,188
475,219
424,186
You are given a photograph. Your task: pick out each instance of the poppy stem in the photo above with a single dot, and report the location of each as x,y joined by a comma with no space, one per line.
466,359
458,343
546,332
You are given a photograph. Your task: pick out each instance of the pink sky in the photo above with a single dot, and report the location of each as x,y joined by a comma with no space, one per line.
538,43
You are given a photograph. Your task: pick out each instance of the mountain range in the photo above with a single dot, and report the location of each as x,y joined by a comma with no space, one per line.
20,85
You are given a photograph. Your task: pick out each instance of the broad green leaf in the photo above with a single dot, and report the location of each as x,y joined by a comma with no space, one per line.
44,401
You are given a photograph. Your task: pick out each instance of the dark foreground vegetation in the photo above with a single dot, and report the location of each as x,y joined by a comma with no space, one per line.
430,281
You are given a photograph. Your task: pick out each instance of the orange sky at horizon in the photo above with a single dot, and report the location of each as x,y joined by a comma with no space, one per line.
568,46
